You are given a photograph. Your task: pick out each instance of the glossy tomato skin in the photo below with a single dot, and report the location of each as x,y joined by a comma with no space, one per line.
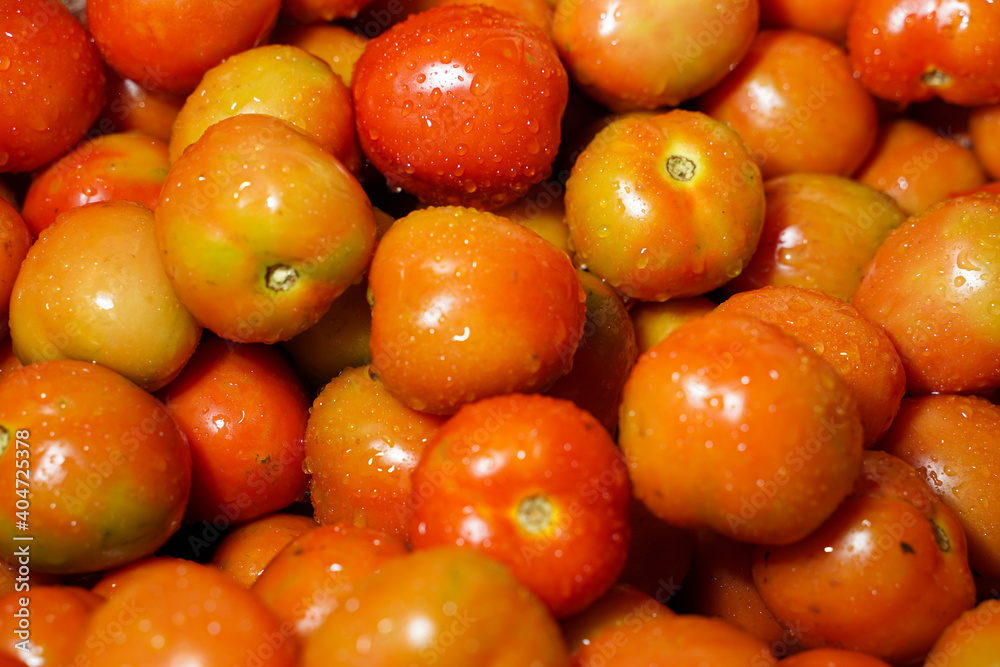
461,105
790,122
260,229
174,611
53,83
731,424
244,412
448,606
984,133
467,305
664,206
362,445
954,443
911,51
973,640
826,18
166,45
317,572
933,286
15,240
833,657
857,349
246,552
534,482
891,543
132,108
646,55
128,166
111,470
338,46
655,320
58,615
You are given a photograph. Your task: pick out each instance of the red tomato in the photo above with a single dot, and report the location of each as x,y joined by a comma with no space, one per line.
168,45
52,80
57,616
110,471
833,657
536,483
247,551
15,240
461,105
984,132
826,18
622,607
244,412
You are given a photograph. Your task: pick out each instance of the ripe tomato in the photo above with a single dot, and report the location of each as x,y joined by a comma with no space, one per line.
174,612
337,46
732,424
317,573
461,105
15,240
466,305
168,45
244,412
973,640
247,551
52,80
664,206
536,483
92,288
911,51
788,99
892,544
56,617
110,471
637,54
833,657
934,284
128,166
622,607
449,607
984,133
261,229
826,18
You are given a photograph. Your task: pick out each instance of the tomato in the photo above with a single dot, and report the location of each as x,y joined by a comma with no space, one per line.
448,606
973,640
53,83
467,305
336,45
621,607
127,166
317,11
110,471
362,445
8,362
911,51
488,481
918,167
15,240
168,45
260,229
248,550
655,320
92,288
542,211
461,105
984,133
11,571
833,657
175,612
56,616
281,81
637,54
826,18
535,12
731,424
858,350
665,206
244,412
790,122
317,573
820,232
954,443
933,284
132,108
891,543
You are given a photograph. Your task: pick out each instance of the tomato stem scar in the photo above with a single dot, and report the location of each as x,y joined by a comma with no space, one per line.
681,168
534,514
281,277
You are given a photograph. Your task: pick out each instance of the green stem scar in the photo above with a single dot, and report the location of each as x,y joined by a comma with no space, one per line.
281,277
681,168
534,514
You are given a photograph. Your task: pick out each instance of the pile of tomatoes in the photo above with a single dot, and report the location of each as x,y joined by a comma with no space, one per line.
499,333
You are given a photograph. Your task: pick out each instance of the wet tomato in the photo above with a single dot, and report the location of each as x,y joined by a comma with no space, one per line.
15,240
461,105
536,483
245,552
622,607
110,471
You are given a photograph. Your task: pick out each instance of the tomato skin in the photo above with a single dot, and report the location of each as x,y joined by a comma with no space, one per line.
168,45
973,640
461,607
119,468
53,83
664,206
893,544
732,424
132,108
565,535
655,320
933,285
244,412
826,18
15,241
984,133
58,616
833,657
337,46
622,606
179,612
467,305
789,122
247,551
127,166
911,51
476,120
